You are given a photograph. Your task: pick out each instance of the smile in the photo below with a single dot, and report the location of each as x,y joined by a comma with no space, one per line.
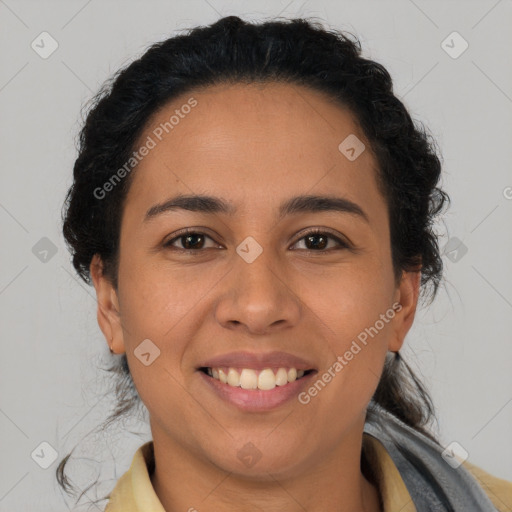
248,378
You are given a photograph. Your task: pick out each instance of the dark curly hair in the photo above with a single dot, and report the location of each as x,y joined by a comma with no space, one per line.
298,52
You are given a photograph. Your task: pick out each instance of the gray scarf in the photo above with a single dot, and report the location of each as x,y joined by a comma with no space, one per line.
433,484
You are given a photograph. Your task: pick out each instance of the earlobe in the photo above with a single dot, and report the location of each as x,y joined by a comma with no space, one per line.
108,316
407,296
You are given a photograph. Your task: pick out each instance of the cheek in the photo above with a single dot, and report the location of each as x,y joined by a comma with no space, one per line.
366,325
154,299
347,298
162,305
354,317
152,314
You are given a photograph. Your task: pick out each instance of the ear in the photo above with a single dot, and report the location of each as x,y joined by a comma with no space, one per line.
407,295
109,319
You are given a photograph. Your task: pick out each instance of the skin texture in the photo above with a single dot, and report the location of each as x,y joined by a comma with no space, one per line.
255,146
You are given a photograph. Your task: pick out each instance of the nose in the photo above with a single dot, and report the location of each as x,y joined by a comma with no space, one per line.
258,297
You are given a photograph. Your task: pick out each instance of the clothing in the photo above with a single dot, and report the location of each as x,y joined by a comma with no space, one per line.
412,476
432,483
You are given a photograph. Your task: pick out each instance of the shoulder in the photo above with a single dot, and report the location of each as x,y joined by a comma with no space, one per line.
498,490
134,491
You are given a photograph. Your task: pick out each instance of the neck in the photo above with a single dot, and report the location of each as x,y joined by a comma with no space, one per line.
185,481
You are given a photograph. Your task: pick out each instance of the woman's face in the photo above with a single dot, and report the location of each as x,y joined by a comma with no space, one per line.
252,280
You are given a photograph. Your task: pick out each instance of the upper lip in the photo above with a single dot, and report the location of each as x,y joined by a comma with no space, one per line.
257,361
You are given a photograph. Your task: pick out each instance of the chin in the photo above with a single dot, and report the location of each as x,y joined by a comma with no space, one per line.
261,465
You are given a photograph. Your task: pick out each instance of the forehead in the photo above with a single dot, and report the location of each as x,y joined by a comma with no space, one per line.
252,142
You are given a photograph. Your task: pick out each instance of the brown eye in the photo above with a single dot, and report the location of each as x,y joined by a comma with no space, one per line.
318,240
192,241
189,241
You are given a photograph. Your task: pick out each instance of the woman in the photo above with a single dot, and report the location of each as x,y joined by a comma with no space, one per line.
254,208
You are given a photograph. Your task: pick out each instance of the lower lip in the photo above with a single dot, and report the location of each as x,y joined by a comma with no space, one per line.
255,400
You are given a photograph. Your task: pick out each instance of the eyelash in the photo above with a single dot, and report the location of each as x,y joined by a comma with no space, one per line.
315,231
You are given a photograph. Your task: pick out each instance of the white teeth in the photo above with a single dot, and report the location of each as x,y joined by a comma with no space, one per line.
233,378
281,377
292,374
266,379
250,379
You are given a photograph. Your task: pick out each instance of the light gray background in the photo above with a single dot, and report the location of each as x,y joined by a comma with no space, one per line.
51,345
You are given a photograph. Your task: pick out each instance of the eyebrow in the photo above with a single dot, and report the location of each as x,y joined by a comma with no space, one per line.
295,205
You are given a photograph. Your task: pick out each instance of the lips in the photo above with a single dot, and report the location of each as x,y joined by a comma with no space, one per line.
257,361
255,400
